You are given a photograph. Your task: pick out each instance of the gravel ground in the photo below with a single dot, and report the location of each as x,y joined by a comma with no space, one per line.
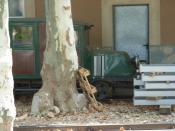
115,112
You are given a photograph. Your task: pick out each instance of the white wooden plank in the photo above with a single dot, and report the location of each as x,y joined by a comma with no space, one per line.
154,102
157,68
146,93
158,78
159,85
138,82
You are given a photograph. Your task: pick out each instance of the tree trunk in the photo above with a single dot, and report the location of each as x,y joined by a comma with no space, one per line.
7,107
60,62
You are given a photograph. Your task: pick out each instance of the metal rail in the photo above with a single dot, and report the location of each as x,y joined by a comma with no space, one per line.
157,127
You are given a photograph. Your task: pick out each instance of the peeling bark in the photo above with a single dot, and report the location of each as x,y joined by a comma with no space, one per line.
7,107
60,62
1,11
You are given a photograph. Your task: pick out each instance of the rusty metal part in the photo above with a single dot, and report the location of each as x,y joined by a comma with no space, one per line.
89,90
163,127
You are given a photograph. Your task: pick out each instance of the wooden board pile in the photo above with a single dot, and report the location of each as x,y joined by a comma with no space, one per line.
89,90
155,85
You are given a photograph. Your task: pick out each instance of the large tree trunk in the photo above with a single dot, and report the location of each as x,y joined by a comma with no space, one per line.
60,62
7,107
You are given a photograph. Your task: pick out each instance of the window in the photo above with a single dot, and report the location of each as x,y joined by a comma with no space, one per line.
16,8
22,35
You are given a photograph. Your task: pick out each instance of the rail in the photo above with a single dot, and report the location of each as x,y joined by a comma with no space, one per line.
138,127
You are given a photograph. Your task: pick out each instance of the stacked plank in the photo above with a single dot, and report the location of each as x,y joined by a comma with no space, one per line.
155,85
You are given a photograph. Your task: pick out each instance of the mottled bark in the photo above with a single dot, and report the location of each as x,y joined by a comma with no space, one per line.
7,107
60,61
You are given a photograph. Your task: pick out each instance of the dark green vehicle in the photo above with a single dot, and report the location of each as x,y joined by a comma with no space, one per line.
112,71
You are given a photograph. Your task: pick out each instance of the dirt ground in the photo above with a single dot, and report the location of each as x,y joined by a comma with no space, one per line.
115,112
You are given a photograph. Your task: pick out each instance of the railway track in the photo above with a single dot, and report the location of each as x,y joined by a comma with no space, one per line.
139,127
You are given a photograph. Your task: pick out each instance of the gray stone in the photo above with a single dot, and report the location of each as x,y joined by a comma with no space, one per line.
85,109
165,109
35,105
82,101
41,101
55,110
173,108
50,114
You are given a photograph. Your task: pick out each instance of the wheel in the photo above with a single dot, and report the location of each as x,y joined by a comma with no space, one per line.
104,90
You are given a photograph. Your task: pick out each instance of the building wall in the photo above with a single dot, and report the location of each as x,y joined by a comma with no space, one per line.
29,8
40,12
86,11
107,20
167,13
89,11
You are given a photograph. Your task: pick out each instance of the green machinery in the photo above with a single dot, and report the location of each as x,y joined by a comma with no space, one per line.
112,73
